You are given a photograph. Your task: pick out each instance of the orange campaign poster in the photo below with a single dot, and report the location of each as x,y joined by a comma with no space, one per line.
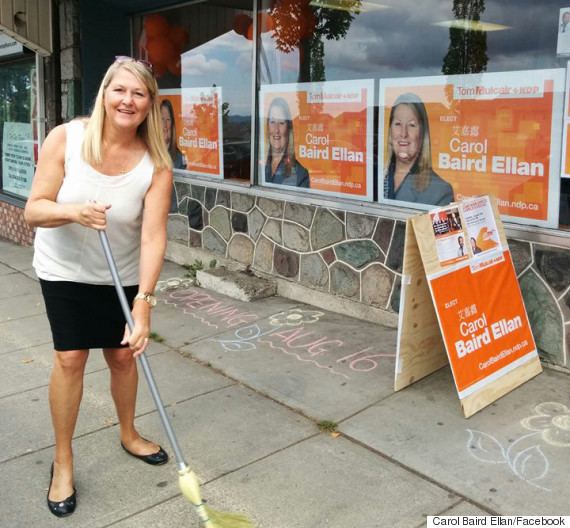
450,137
483,322
318,137
480,308
195,140
171,118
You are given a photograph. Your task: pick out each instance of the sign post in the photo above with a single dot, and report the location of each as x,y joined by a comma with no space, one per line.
461,304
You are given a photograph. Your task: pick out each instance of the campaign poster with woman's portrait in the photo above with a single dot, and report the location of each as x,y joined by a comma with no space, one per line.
446,138
192,127
318,137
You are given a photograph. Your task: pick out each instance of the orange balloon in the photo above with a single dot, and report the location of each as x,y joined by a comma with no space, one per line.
175,67
249,34
179,36
241,24
155,26
265,22
161,51
159,70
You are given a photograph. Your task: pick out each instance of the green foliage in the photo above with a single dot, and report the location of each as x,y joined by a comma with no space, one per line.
327,426
157,338
197,265
467,51
193,268
16,85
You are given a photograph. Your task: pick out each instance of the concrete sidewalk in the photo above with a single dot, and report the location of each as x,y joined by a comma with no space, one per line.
247,386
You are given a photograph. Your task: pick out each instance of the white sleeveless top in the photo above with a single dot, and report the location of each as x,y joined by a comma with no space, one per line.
73,252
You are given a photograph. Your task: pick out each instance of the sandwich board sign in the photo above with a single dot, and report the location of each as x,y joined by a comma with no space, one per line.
461,305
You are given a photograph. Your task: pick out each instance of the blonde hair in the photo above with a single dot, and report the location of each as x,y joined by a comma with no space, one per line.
150,130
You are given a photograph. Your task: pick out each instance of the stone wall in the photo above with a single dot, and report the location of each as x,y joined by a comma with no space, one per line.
355,256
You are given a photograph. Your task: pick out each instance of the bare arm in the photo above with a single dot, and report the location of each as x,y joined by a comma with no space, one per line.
42,210
153,248
153,237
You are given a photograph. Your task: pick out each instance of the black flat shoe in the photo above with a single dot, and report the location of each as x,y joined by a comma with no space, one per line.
154,459
61,508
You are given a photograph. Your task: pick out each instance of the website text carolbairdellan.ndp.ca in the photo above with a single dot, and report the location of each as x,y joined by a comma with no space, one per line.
498,520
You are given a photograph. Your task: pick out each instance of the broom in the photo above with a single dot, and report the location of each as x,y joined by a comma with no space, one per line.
187,479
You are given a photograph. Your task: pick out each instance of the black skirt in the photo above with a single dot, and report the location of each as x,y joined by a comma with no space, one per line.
83,316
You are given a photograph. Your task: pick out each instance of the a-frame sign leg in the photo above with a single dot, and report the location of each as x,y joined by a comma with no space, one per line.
421,350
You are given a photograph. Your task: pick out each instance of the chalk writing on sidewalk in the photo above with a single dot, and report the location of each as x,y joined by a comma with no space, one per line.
287,333
525,456
293,332
527,462
207,309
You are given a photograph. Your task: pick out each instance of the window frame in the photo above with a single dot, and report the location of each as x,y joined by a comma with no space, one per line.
7,197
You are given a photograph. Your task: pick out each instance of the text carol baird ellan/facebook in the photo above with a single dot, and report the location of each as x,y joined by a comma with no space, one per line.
494,520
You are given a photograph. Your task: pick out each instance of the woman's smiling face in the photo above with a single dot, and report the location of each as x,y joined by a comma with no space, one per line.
278,130
127,100
405,134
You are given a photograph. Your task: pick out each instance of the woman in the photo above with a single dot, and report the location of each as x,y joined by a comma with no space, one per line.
409,174
474,247
111,172
169,133
486,239
281,166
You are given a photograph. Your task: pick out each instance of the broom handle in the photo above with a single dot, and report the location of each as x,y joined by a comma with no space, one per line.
142,357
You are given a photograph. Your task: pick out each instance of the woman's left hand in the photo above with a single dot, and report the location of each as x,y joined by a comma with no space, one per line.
138,338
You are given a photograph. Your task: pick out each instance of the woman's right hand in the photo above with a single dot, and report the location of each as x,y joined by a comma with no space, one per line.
42,208
93,215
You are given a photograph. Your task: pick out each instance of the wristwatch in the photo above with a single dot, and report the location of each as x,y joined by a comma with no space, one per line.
148,297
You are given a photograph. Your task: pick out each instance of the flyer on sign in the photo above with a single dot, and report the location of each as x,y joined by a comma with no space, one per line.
449,236
451,137
482,232
318,136
192,126
18,162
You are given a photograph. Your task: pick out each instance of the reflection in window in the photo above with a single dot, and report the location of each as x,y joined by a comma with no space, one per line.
467,42
347,39
202,58
331,40
18,126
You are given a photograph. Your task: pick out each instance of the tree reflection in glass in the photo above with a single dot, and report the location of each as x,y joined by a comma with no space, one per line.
305,24
467,47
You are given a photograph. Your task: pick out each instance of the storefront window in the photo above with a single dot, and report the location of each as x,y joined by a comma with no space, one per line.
202,58
18,126
468,98
316,131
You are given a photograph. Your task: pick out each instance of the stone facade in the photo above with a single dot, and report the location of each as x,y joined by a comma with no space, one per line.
355,256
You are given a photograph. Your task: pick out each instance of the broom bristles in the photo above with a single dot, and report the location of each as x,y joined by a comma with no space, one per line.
227,520
211,518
